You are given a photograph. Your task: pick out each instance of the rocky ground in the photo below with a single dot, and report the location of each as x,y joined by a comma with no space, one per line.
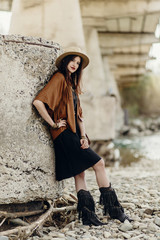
138,189
141,127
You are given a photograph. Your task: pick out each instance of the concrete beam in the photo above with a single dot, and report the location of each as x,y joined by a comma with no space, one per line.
141,23
116,15
123,71
114,66
118,9
138,49
127,59
129,78
122,85
31,3
113,40
128,81
151,22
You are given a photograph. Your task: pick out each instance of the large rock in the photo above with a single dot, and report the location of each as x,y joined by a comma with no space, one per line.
26,148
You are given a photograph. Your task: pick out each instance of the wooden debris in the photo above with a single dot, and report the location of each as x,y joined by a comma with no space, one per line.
4,219
20,214
18,221
62,209
36,225
74,197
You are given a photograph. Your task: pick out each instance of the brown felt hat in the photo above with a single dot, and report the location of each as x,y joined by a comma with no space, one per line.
73,51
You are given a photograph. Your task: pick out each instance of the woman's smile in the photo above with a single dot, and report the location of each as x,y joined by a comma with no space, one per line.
73,65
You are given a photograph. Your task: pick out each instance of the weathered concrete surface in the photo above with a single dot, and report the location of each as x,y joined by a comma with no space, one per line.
26,149
58,20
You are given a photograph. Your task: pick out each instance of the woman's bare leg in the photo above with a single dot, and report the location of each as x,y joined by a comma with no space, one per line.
101,175
80,182
108,197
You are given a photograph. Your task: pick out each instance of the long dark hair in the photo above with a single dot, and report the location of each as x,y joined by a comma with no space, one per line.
75,78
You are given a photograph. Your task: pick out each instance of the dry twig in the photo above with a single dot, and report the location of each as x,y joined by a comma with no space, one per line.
20,214
74,197
18,221
4,219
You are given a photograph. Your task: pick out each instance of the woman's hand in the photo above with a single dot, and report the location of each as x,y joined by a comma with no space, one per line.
84,143
61,123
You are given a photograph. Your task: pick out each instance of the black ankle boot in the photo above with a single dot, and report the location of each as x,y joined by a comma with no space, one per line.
117,213
86,209
109,200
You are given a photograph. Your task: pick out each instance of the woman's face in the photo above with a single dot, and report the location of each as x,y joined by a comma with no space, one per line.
74,64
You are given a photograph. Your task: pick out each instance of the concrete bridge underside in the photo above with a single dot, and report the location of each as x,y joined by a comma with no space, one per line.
125,30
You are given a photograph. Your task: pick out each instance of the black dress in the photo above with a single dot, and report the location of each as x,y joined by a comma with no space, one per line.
70,158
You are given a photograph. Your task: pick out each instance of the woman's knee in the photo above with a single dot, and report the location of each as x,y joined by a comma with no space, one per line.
80,175
99,165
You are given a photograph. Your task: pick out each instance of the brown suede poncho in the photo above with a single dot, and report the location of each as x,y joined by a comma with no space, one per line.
53,95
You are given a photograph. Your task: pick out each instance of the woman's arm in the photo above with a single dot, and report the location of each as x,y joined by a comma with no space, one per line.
81,126
83,140
44,114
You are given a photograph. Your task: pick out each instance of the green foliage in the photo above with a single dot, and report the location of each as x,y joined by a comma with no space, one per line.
133,96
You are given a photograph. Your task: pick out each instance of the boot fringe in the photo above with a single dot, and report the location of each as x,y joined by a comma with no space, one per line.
85,199
111,204
90,218
108,198
86,209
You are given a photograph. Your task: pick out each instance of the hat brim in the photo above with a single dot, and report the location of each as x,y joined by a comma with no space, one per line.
85,59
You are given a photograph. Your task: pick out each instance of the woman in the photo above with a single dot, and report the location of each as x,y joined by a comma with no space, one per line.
59,105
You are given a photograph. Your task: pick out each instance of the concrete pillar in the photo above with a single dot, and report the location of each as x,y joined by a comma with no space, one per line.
110,80
57,20
99,109
112,89
96,77
26,148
